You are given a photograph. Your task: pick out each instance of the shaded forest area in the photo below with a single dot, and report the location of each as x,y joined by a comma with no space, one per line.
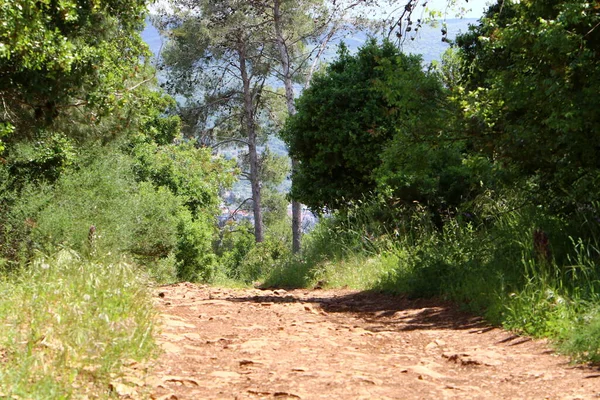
474,179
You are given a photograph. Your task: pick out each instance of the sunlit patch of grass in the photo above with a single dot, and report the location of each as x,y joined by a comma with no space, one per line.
294,273
222,280
357,271
584,341
69,326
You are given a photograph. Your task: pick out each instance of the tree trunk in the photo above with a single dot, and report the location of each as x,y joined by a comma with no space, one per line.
296,220
252,152
289,97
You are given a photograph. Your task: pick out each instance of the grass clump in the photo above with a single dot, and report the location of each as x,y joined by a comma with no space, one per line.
70,326
583,342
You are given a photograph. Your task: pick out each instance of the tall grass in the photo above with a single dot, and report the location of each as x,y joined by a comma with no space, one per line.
70,326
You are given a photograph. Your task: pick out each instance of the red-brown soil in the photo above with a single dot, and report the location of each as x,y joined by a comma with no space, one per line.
342,344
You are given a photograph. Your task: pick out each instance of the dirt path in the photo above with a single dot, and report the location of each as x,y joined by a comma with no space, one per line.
253,344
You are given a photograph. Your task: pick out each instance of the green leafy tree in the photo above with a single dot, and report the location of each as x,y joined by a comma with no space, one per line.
531,73
289,37
218,60
194,177
89,143
71,73
292,27
428,160
300,32
359,125
56,56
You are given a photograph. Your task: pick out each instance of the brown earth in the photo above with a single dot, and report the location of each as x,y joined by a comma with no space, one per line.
342,344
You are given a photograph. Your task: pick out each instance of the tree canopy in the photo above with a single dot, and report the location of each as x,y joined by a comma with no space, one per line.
55,56
357,120
531,74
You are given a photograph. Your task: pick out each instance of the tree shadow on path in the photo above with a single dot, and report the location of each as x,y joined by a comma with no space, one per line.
381,312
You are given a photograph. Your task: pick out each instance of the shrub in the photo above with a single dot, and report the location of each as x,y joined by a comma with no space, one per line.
194,255
147,221
155,227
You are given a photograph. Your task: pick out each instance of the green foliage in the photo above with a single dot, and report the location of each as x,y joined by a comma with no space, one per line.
195,177
16,225
155,226
155,125
192,174
261,260
59,55
74,82
194,247
243,260
338,151
235,243
155,223
583,341
474,182
5,129
71,327
109,162
100,193
224,46
530,74
275,206
392,132
42,160
273,170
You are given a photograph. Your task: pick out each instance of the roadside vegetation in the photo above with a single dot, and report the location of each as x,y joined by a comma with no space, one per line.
100,197
490,269
72,327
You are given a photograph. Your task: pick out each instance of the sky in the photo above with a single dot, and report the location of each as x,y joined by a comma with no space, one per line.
474,8
460,8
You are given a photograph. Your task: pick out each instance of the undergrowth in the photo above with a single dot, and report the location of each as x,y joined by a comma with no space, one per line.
71,326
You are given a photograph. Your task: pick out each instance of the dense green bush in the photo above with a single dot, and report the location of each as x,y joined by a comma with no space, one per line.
235,242
529,74
40,161
194,255
348,116
377,124
100,192
154,228
154,223
244,260
261,260
583,339
192,174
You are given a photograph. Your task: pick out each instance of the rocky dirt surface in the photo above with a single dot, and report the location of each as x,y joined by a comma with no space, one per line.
342,344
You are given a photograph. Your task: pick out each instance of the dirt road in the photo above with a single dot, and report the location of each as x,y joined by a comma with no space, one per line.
263,344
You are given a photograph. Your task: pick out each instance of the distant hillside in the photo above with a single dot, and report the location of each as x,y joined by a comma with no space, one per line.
428,41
